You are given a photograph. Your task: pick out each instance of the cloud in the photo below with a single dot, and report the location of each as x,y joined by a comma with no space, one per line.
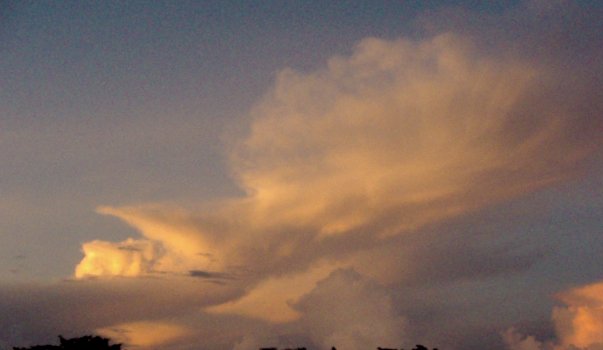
362,164
273,298
343,309
128,258
37,313
355,176
172,244
397,136
145,334
516,341
578,324
461,249
352,312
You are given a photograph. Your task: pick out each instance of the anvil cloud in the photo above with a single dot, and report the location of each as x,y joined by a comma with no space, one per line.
397,136
367,216
338,164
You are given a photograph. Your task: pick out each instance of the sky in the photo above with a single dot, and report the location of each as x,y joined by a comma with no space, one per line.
235,175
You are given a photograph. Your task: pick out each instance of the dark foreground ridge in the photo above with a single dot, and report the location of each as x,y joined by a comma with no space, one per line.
417,347
87,342
93,342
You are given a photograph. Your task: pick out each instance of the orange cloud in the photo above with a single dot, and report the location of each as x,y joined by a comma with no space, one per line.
148,335
398,135
578,324
128,258
423,131
374,146
273,298
171,244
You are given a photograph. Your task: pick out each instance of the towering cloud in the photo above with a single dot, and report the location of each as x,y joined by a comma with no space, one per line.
128,258
351,311
351,163
411,190
402,134
398,135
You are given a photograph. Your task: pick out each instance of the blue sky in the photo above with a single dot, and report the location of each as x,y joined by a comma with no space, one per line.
76,76
436,157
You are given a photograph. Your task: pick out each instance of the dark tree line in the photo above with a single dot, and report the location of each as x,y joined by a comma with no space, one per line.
87,342
417,347
93,342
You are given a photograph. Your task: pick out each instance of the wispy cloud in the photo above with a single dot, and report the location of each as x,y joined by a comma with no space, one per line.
348,164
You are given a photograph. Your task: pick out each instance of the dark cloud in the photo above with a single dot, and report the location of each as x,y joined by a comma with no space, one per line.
214,277
38,313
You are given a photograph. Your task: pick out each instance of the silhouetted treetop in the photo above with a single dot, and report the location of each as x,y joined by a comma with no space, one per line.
417,347
87,342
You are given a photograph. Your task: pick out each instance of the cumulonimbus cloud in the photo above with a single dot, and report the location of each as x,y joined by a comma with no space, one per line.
398,135
374,146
